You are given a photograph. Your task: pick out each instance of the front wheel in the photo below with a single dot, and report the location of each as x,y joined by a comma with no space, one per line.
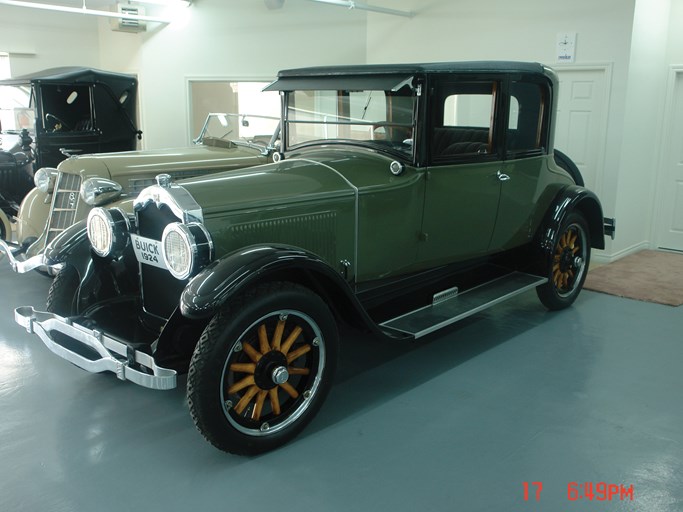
61,297
567,267
262,368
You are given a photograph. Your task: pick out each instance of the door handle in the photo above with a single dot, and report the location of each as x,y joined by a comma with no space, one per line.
502,176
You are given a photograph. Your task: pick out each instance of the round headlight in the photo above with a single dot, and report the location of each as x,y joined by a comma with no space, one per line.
185,248
99,191
108,231
44,179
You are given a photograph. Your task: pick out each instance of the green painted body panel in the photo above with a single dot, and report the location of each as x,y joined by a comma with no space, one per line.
345,204
460,212
525,200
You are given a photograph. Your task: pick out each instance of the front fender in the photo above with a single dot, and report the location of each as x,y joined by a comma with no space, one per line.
5,227
239,271
221,280
70,245
574,198
33,214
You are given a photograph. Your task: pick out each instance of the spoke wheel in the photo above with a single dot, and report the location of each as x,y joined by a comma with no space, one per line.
262,368
568,264
273,372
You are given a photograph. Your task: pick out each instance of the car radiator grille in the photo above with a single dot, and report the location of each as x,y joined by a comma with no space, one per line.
64,203
160,290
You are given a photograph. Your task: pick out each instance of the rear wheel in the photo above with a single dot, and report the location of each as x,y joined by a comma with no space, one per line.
262,368
567,267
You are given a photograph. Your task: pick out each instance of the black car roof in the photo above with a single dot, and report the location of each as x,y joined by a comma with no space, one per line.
435,67
70,75
328,76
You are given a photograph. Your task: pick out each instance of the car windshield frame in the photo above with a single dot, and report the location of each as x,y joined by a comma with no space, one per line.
337,113
228,122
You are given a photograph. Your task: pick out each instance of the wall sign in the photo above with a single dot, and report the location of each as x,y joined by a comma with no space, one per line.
566,46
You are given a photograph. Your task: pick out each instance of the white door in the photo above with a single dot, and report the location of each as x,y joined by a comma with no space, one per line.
581,126
670,225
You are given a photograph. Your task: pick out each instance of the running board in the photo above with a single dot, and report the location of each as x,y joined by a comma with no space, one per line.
441,313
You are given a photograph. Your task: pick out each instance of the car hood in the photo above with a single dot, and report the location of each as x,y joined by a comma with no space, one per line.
136,164
268,185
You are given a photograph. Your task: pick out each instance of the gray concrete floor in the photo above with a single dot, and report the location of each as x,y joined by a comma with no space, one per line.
460,422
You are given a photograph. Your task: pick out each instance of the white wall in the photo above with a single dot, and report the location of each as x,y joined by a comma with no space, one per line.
40,39
236,39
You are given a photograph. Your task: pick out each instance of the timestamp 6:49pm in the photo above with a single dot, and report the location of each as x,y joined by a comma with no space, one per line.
589,491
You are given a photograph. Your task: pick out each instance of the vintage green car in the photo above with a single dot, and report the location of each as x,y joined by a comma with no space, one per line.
403,199
65,195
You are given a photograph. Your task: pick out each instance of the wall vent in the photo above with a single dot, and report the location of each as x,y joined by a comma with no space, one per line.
129,24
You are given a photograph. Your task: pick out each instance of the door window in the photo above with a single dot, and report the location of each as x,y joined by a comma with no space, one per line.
463,128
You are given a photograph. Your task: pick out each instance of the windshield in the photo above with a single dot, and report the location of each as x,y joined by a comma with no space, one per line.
369,117
241,129
16,112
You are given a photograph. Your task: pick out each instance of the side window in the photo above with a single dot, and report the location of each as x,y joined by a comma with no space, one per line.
463,127
527,121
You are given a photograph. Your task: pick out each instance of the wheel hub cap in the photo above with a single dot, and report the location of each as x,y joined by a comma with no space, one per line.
280,375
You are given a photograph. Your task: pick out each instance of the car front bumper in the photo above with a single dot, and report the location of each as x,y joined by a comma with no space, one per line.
22,266
100,352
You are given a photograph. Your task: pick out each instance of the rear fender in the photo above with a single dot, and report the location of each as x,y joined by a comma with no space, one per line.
574,198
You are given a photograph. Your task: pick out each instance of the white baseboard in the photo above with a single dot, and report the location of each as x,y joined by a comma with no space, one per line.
603,258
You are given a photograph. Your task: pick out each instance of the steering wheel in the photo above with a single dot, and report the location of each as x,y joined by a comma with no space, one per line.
57,121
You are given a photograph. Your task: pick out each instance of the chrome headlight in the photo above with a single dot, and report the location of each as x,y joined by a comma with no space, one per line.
44,179
108,231
185,248
99,191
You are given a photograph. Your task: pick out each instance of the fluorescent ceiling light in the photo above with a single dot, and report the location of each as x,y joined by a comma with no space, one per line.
365,7
85,10
166,3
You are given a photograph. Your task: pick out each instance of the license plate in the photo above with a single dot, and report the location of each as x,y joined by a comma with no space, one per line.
148,251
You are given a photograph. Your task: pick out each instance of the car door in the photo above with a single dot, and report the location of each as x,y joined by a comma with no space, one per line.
463,179
523,188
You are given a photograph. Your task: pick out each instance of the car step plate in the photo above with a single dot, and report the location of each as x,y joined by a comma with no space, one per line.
430,318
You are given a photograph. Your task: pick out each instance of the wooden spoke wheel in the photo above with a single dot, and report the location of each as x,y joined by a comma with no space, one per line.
262,368
272,372
568,264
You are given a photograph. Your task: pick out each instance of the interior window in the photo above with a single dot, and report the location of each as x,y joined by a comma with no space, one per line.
527,118
464,121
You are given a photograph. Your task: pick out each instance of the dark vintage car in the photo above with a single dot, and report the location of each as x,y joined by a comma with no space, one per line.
404,198
52,114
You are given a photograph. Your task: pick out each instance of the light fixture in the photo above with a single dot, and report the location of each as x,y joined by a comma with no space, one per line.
85,10
165,3
365,7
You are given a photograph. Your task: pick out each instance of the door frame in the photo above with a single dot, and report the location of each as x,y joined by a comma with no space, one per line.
661,164
607,69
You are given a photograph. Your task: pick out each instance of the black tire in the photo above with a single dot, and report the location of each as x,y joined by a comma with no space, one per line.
246,393
567,266
61,297
568,165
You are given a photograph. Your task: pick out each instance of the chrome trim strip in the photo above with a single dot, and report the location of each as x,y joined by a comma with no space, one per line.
43,324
